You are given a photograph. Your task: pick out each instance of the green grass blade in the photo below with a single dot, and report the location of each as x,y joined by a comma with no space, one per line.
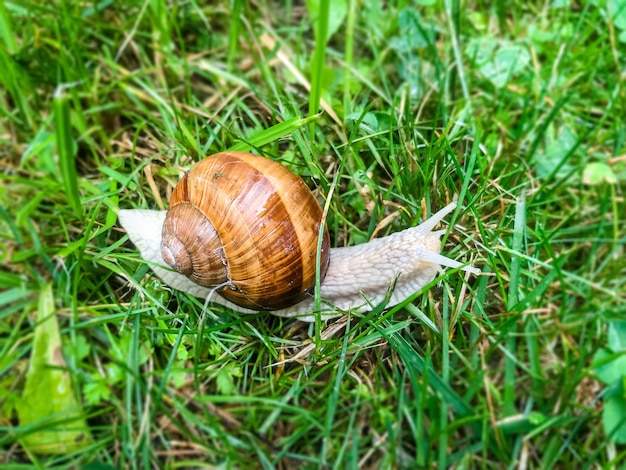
273,133
519,230
233,32
66,148
319,55
349,57
6,31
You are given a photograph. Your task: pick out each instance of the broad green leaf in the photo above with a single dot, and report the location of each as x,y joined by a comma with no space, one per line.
224,379
79,349
617,9
498,61
507,62
597,173
614,418
179,375
617,336
413,33
558,145
612,370
368,122
48,408
480,51
337,13
97,391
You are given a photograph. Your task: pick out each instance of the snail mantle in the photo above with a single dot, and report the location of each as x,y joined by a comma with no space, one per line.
232,235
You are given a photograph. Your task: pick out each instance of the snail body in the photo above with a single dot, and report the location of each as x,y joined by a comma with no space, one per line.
356,278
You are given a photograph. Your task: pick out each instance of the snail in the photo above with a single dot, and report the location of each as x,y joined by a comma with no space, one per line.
242,231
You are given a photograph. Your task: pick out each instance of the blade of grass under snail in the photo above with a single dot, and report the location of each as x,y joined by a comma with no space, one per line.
318,258
65,149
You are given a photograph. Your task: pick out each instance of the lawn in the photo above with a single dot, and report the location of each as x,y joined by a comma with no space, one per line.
388,111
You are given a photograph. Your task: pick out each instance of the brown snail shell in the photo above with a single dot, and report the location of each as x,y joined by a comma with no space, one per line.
247,226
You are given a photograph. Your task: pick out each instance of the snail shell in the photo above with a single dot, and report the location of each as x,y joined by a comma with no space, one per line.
247,226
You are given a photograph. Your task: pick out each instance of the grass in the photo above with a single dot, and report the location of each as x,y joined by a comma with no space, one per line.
516,109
